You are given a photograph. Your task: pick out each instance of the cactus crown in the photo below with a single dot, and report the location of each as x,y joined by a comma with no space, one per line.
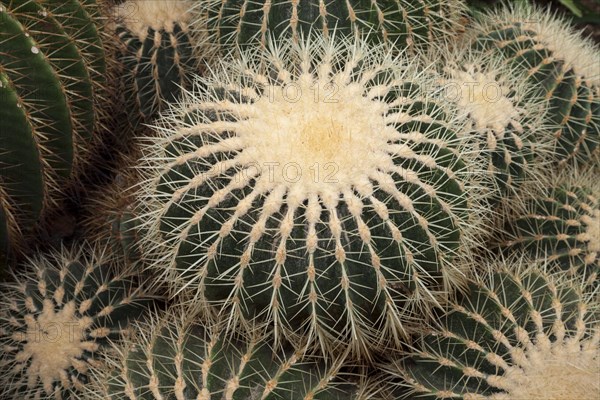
520,334
504,117
56,316
138,16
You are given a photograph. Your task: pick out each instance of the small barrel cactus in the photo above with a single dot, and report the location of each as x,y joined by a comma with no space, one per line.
157,53
560,64
56,316
402,23
51,82
561,224
505,118
520,334
315,185
175,357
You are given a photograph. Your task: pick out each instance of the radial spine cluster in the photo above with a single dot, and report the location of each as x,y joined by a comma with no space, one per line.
56,316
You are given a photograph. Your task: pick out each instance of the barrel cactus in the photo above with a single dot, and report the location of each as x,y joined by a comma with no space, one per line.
157,53
520,334
56,316
51,81
505,118
561,224
177,357
561,64
315,185
407,24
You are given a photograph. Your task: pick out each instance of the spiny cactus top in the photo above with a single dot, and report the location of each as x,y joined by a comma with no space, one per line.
175,357
404,23
56,316
562,224
314,185
519,335
560,64
157,52
504,117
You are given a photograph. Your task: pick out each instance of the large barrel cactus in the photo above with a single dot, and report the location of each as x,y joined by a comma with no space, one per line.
176,357
157,54
561,224
317,186
57,315
407,24
520,334
52,77
560,64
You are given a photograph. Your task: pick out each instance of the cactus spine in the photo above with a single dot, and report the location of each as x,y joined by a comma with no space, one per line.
57,315
561,224
520,334
157,52
177,357
314,185
561,65
404,23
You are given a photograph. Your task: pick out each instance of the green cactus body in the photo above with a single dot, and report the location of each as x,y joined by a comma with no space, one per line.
21,172
55,318
175,358
63,56
562,225
336,216
561,65
505,118
519,335
52,71
404,23
78,21
157,52
33,81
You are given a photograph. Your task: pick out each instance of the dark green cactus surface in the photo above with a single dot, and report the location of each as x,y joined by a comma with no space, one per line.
51,68
517,335
176,358
56,316
404,23
563,69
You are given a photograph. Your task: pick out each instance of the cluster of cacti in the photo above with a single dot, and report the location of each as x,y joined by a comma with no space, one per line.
256,203
561,224
333,199
560,65
406,24
57,315
52,74
175,356
157,54
519,334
